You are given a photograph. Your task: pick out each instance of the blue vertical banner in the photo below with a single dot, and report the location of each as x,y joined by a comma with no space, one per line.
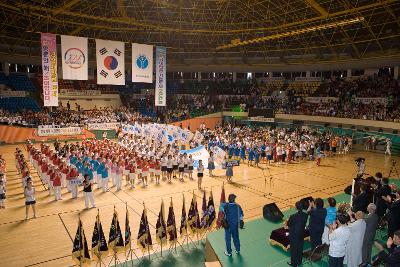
161,76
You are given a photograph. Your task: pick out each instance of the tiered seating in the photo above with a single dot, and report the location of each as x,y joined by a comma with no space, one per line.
273,85
16,104
17,82
172,87
303,88
66,84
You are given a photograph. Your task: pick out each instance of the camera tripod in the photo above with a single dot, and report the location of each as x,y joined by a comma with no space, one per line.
394,171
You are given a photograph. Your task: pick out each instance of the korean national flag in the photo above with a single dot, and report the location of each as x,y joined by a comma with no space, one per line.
110,57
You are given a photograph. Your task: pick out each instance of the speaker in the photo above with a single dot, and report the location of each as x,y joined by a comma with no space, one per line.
272,213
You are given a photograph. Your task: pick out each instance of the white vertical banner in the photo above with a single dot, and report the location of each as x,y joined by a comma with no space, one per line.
49,67
142,63
110,57
161,72
74,53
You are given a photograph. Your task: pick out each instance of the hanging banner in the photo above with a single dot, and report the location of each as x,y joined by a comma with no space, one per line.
142,63
49,67
110,58
161,85
74,52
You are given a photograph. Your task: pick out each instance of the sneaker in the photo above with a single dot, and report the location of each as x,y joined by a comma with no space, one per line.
228,254
237,252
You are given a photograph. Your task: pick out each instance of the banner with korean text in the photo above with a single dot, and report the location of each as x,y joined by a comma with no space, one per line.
110,56
142,63
49,67
103,126
161,84
49,130
74,54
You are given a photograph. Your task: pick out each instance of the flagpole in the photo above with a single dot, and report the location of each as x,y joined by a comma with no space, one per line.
161,225
176,232
130,252
186,226
197,218
115,242
147,230
81,240
98,237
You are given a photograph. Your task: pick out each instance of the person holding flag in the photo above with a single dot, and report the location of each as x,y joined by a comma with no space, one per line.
171,225
80,251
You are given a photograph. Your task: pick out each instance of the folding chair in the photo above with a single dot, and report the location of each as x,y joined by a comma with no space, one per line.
316,254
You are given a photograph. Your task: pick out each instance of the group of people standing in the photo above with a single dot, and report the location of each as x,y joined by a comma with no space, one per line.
349,232
281,145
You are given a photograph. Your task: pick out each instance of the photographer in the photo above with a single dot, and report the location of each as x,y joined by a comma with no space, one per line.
360,162
391,259
394,212
360,201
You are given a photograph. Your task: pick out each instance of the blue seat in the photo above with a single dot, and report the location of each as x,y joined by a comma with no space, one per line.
18,104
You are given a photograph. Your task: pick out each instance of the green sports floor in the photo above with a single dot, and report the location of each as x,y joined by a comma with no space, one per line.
256,250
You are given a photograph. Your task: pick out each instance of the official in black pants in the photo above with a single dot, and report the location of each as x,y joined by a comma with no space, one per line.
297,223
316,225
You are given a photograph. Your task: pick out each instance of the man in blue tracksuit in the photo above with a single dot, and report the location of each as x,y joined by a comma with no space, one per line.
234,215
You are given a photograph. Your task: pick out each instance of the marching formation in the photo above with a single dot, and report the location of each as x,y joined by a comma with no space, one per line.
148,153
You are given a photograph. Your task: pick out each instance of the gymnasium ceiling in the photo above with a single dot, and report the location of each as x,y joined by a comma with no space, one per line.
214,31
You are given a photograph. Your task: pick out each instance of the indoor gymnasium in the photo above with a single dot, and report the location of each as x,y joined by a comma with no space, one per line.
199,133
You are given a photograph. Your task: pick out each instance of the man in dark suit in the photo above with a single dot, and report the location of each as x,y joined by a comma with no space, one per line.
394,212
360,201
371,220
297,224
380,203
317,221
391,259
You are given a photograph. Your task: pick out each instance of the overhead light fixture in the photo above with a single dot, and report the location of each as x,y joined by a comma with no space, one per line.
294,32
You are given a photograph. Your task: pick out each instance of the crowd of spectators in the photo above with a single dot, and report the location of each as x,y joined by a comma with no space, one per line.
63,117
223,94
